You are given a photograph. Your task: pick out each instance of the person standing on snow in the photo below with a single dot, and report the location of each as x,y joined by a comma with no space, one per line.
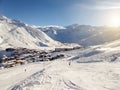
25,69
69,63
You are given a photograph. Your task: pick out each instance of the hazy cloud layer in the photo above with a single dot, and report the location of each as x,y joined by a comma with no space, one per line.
100,4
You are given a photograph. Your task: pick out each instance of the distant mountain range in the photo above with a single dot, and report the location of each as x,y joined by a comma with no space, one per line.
83,34
14,33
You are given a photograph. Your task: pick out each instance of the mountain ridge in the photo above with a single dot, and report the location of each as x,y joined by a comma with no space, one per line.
14,33
85,35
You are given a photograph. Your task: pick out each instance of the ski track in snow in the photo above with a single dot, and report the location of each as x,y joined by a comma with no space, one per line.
45,79
58,75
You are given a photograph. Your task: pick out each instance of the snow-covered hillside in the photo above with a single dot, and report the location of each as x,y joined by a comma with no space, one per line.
89,68
83,34
94,68
14,33
81,68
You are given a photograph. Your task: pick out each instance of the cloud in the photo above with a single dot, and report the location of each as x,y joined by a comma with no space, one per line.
115,1
100,4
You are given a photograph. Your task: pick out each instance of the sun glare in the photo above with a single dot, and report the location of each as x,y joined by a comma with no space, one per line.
114,21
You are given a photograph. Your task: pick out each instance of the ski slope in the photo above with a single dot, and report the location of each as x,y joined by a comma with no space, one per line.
90,69
11,76
61,76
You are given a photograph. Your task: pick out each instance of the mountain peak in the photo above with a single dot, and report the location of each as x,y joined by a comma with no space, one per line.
2,17
14,33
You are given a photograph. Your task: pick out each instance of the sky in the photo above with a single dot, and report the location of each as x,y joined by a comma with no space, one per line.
62,12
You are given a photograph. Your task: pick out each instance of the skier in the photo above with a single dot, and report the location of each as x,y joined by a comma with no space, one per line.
25,70
69,63
114,58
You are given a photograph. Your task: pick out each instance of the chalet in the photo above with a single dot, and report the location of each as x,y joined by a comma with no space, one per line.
77,47
63,49
10,49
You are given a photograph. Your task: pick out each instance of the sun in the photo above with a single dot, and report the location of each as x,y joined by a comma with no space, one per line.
114,20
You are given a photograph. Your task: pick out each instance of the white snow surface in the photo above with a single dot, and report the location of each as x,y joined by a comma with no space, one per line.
93,68
14,33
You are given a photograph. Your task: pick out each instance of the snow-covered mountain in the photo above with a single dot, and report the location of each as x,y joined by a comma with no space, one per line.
93,68
14,33
83,34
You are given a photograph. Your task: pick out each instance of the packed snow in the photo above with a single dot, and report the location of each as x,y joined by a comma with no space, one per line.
93,68
61,76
